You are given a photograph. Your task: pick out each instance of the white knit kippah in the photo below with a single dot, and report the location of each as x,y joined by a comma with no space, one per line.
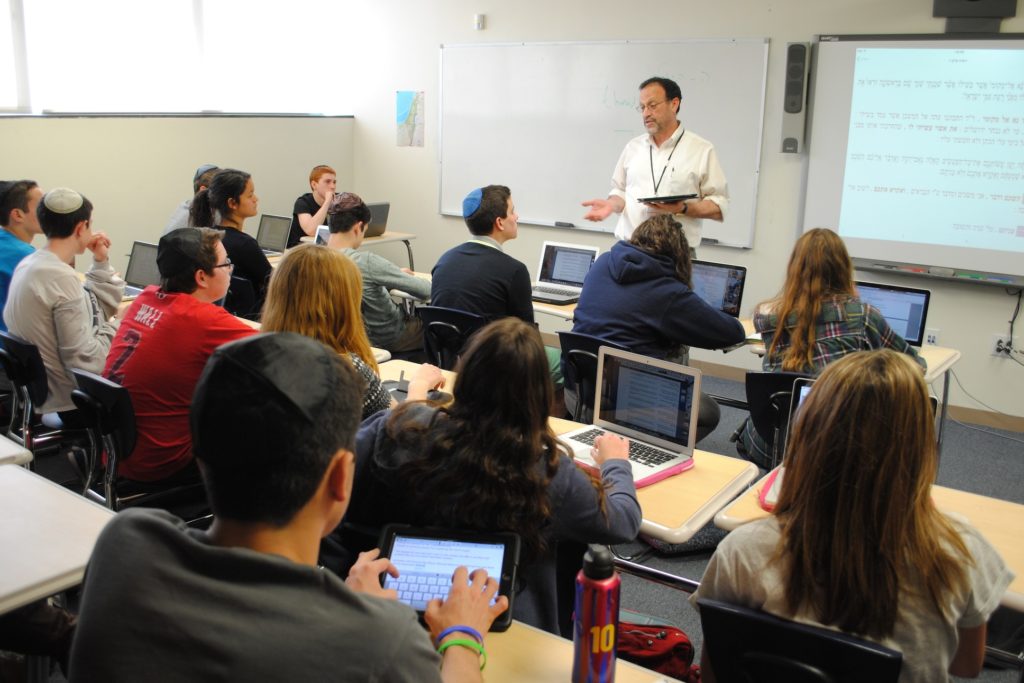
63,200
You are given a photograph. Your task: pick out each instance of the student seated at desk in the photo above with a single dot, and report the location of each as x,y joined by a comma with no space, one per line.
162,345
19,225
200,181
48,306
490,461
273,423
232,197
478,276
310,210
639,295
816,319
856,542
387,325
316,291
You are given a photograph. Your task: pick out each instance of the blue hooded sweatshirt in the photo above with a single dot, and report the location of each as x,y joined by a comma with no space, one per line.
633,298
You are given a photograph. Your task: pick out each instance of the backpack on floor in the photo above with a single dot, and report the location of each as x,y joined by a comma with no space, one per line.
664,649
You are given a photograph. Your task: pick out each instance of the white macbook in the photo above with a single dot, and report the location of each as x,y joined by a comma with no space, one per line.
653,403
272,235
142,270
561,272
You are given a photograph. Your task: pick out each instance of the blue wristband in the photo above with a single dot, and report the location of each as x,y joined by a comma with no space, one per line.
469,631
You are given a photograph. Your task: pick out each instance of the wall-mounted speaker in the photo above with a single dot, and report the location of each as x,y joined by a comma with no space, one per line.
794,99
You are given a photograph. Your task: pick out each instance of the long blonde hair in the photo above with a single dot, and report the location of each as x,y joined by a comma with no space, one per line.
819,268
857,518
317,292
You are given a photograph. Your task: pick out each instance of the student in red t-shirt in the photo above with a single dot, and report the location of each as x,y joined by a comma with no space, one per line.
162,345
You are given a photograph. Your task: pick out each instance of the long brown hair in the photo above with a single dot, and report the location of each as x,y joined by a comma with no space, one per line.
318,292
857,519
662,235
488,465
819,268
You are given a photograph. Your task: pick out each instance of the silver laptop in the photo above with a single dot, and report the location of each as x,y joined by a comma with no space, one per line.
904,308
561,272
801,388
653,403
720,285
323,232
142,270
272,235
378,219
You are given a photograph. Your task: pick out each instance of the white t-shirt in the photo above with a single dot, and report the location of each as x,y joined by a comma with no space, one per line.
740,573
692,169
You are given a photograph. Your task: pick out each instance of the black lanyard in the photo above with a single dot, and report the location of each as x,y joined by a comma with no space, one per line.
657,183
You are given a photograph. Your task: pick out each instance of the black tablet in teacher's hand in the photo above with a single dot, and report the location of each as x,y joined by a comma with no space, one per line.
427,557
671,199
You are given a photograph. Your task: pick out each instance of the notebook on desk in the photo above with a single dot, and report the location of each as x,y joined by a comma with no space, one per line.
378,219
653,403
142,270
273,233
561,272
720,285
904,308
770,494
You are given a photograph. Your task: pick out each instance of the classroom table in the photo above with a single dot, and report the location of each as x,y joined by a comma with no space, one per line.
674,509
386,237
12,453
48,534
999,521
563,311
524,653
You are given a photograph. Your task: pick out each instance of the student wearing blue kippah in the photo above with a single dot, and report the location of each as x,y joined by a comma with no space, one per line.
18,225
478,276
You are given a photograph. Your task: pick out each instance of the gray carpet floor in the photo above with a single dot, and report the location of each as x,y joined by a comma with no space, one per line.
980,460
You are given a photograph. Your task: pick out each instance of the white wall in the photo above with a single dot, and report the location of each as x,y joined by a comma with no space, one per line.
137,170
404,37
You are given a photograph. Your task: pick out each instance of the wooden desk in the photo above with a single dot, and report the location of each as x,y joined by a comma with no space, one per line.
564,311
524,653
998,520
393,369
48,534
12,453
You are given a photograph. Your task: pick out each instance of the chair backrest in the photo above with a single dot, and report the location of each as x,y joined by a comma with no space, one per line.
769,396
107,408
579,369
749,645
24,367
445,333
241,298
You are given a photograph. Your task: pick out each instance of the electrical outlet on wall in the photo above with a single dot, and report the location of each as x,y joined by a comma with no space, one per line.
1000,345
931,337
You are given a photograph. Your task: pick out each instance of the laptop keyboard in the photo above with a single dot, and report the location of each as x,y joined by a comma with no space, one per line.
555,290
638,452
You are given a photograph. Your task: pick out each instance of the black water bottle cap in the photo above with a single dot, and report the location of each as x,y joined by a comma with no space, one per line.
598,562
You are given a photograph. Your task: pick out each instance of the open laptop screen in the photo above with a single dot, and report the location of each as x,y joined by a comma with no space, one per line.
720,285
273,232
904,308
566,264
650,397
142,270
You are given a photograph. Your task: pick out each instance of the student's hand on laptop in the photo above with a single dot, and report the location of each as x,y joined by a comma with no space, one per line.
364,576
424,378
99,245
468,603
609,447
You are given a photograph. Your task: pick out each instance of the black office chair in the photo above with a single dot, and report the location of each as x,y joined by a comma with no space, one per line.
107,409
241,299
24,368
579,370
445,333
749,645
769,395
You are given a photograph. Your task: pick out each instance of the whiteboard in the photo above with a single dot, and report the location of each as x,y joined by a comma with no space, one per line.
550,120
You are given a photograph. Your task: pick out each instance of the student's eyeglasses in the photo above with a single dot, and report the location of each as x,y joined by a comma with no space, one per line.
227,264
650,106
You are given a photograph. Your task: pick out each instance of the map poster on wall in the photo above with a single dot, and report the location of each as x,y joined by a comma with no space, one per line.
409,110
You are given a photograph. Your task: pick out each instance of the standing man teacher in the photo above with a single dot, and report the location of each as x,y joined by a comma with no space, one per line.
669,160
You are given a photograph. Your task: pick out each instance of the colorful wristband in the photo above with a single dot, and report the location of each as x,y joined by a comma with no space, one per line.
465,642
468,630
